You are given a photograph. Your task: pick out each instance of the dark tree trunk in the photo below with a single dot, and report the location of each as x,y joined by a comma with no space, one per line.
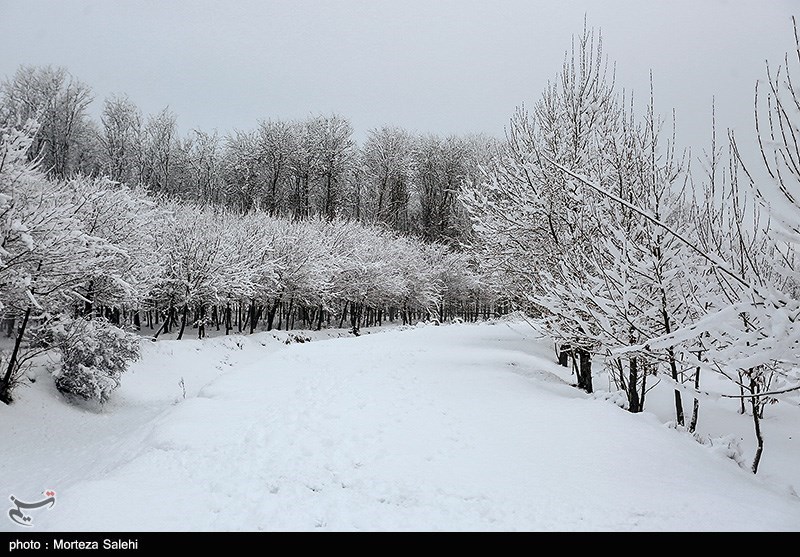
184,313
136,320
754,404
271,313
633,380
344,315
584,369
228,324
201,322
167,319
679,416
695,403
289,312
215,316
161,329
742,409
355,318
564,354
5,383
319,318
645,371
253,318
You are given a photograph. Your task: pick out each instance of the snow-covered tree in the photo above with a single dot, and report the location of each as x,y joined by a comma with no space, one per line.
47,253
59,102
121,139
534,226
388,169
205,263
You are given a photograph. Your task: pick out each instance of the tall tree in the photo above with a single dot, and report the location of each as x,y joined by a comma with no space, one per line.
121,139
388,164
58,101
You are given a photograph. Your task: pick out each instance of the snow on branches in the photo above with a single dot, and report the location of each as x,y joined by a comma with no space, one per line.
590,221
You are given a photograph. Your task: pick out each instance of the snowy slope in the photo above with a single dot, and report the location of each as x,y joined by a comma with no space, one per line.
468,427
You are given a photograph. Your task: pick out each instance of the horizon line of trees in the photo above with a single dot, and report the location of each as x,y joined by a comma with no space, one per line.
295,169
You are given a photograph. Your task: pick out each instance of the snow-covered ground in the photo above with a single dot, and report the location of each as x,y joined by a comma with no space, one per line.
459,427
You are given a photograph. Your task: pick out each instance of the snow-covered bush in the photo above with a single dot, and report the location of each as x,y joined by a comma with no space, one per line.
94,355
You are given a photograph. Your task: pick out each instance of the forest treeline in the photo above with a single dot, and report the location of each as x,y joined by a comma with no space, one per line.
294,169
290,224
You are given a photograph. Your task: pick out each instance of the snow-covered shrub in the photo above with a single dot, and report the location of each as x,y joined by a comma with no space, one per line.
297,339
617,397
94,355
727,446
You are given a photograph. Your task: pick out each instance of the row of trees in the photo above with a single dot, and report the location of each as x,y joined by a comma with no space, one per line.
294,169
593,222
90,247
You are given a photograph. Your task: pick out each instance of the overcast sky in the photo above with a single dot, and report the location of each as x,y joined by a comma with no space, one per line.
439,66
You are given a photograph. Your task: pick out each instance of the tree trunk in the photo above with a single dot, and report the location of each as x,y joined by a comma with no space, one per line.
742,409
645,370
183,320
564,354
289,312
228,324
253,318
319,318
201,322
633,380
271,313
355,318
678,402
5,383
584,370
161,329
754,404
695,403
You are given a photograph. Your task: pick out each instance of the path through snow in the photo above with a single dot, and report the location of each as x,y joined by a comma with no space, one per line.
435,428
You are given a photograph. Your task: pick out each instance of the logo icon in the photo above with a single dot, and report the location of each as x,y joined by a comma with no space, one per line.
17,514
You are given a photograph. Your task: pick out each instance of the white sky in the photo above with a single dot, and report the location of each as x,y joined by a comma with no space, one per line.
444,66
